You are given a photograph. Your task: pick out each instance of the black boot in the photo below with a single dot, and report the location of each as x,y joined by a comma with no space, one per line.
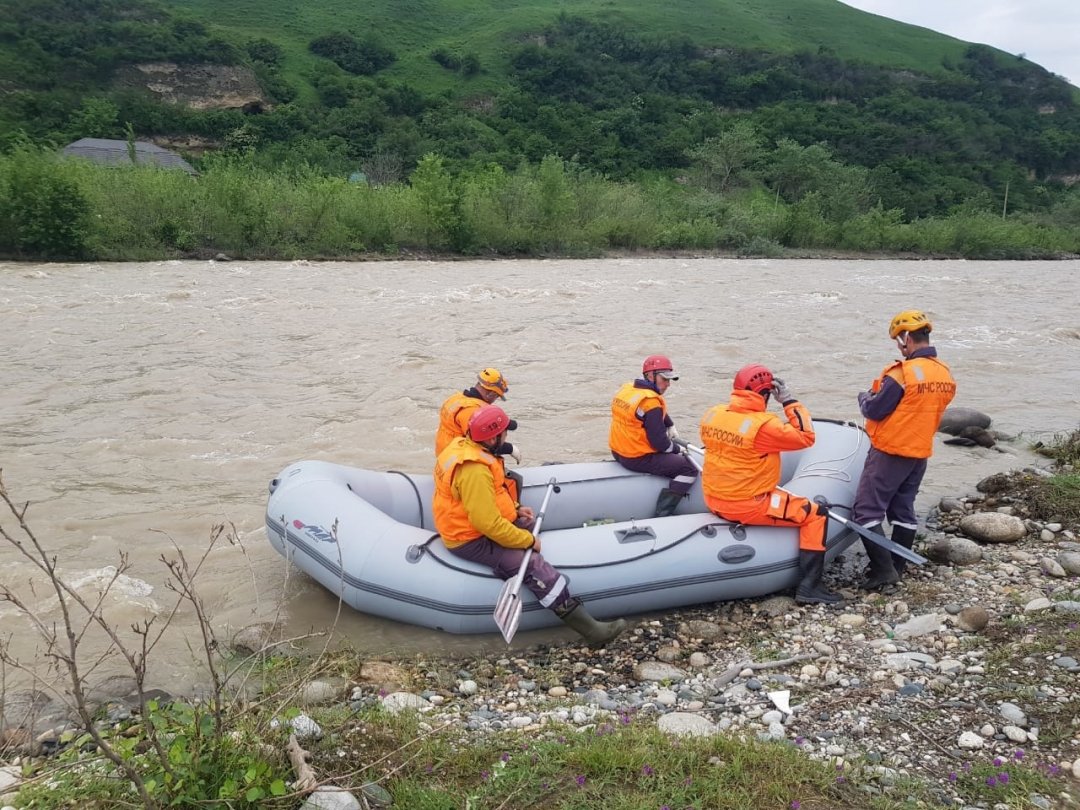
667,502
810,590
597,634
902,536
880,571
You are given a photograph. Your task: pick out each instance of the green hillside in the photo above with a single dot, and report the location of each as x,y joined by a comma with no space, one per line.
800,102
491,30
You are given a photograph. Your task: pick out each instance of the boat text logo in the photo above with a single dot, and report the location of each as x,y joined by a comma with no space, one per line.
315,532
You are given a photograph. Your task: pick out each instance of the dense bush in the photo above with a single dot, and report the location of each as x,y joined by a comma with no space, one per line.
362,58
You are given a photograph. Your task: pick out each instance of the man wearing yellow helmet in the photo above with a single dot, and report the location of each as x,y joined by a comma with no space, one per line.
903,409
459,408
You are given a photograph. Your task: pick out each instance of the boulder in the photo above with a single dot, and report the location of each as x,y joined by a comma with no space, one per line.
954,550
955,419
993,527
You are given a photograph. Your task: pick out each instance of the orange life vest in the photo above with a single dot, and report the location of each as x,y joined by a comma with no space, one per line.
451,519
454,416
627,436
928,390
733,469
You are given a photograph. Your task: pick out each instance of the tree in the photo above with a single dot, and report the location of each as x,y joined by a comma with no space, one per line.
726,160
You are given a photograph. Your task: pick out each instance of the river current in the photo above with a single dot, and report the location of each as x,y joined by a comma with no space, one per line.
143,404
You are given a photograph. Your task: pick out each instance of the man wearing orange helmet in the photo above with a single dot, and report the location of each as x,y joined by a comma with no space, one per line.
643,437
903,409
458,409
477,513
742,468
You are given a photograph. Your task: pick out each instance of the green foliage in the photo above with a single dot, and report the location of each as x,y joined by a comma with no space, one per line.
362,58
206,757
43,213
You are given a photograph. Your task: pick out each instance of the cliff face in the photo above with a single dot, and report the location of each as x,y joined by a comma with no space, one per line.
199,87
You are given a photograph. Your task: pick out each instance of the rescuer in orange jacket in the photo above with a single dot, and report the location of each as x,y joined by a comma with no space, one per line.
458,409
642,435
477,514
903,409
742,468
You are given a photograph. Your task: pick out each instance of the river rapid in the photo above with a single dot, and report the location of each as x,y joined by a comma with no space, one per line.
144,403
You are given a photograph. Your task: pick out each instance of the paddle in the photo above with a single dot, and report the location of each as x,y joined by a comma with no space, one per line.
862,531
873,537
508,605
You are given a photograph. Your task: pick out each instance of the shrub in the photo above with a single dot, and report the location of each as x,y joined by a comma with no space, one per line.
43,214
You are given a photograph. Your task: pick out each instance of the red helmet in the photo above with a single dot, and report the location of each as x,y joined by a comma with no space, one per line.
487,423
661,364
754,377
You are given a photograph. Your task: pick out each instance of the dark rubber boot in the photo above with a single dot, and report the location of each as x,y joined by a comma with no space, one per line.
597,634
810,591
667,502
881,571
902,536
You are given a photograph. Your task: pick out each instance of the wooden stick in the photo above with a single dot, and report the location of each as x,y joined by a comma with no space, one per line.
306,781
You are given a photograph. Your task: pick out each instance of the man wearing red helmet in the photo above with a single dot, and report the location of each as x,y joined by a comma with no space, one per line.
742,469
478,516
458,409
642,436
903,409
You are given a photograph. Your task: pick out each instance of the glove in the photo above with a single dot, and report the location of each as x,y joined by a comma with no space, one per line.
515,454
780,391
673,434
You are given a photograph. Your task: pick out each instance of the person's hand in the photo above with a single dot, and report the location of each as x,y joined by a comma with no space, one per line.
673,434
525,519
536,544
515,454
780,391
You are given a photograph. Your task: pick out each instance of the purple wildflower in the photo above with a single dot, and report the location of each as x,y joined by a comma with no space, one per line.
1018,754
688,780
952,776
580,780
991,781
967,767
646,770
795,804
840,780
485,775
800,740
1003,778
998,762
505,757
383,693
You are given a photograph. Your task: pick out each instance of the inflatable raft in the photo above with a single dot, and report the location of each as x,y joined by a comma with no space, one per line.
368,536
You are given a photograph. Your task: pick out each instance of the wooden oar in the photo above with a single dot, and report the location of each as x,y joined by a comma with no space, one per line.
508,605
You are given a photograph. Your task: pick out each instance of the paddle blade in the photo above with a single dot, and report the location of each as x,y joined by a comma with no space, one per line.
508,611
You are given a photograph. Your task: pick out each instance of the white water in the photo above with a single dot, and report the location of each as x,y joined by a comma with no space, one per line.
144,403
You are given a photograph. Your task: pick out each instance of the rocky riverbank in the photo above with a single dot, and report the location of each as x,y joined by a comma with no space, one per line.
963,676
967,670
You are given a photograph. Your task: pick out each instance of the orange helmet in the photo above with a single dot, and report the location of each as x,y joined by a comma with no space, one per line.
910,320
490,379
754,377
661,365
487,423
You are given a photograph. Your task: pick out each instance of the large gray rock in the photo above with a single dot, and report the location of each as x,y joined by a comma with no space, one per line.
955,419
993,527
330,797
685,724
658,671
954,550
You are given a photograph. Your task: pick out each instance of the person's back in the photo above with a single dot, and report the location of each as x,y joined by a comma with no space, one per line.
460,407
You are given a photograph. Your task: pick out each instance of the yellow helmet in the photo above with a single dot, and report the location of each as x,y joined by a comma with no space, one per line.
910,320
492,380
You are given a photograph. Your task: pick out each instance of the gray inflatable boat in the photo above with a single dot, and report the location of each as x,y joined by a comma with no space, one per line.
369,537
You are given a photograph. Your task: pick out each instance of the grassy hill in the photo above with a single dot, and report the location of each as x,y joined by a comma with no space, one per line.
808,102
415,28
